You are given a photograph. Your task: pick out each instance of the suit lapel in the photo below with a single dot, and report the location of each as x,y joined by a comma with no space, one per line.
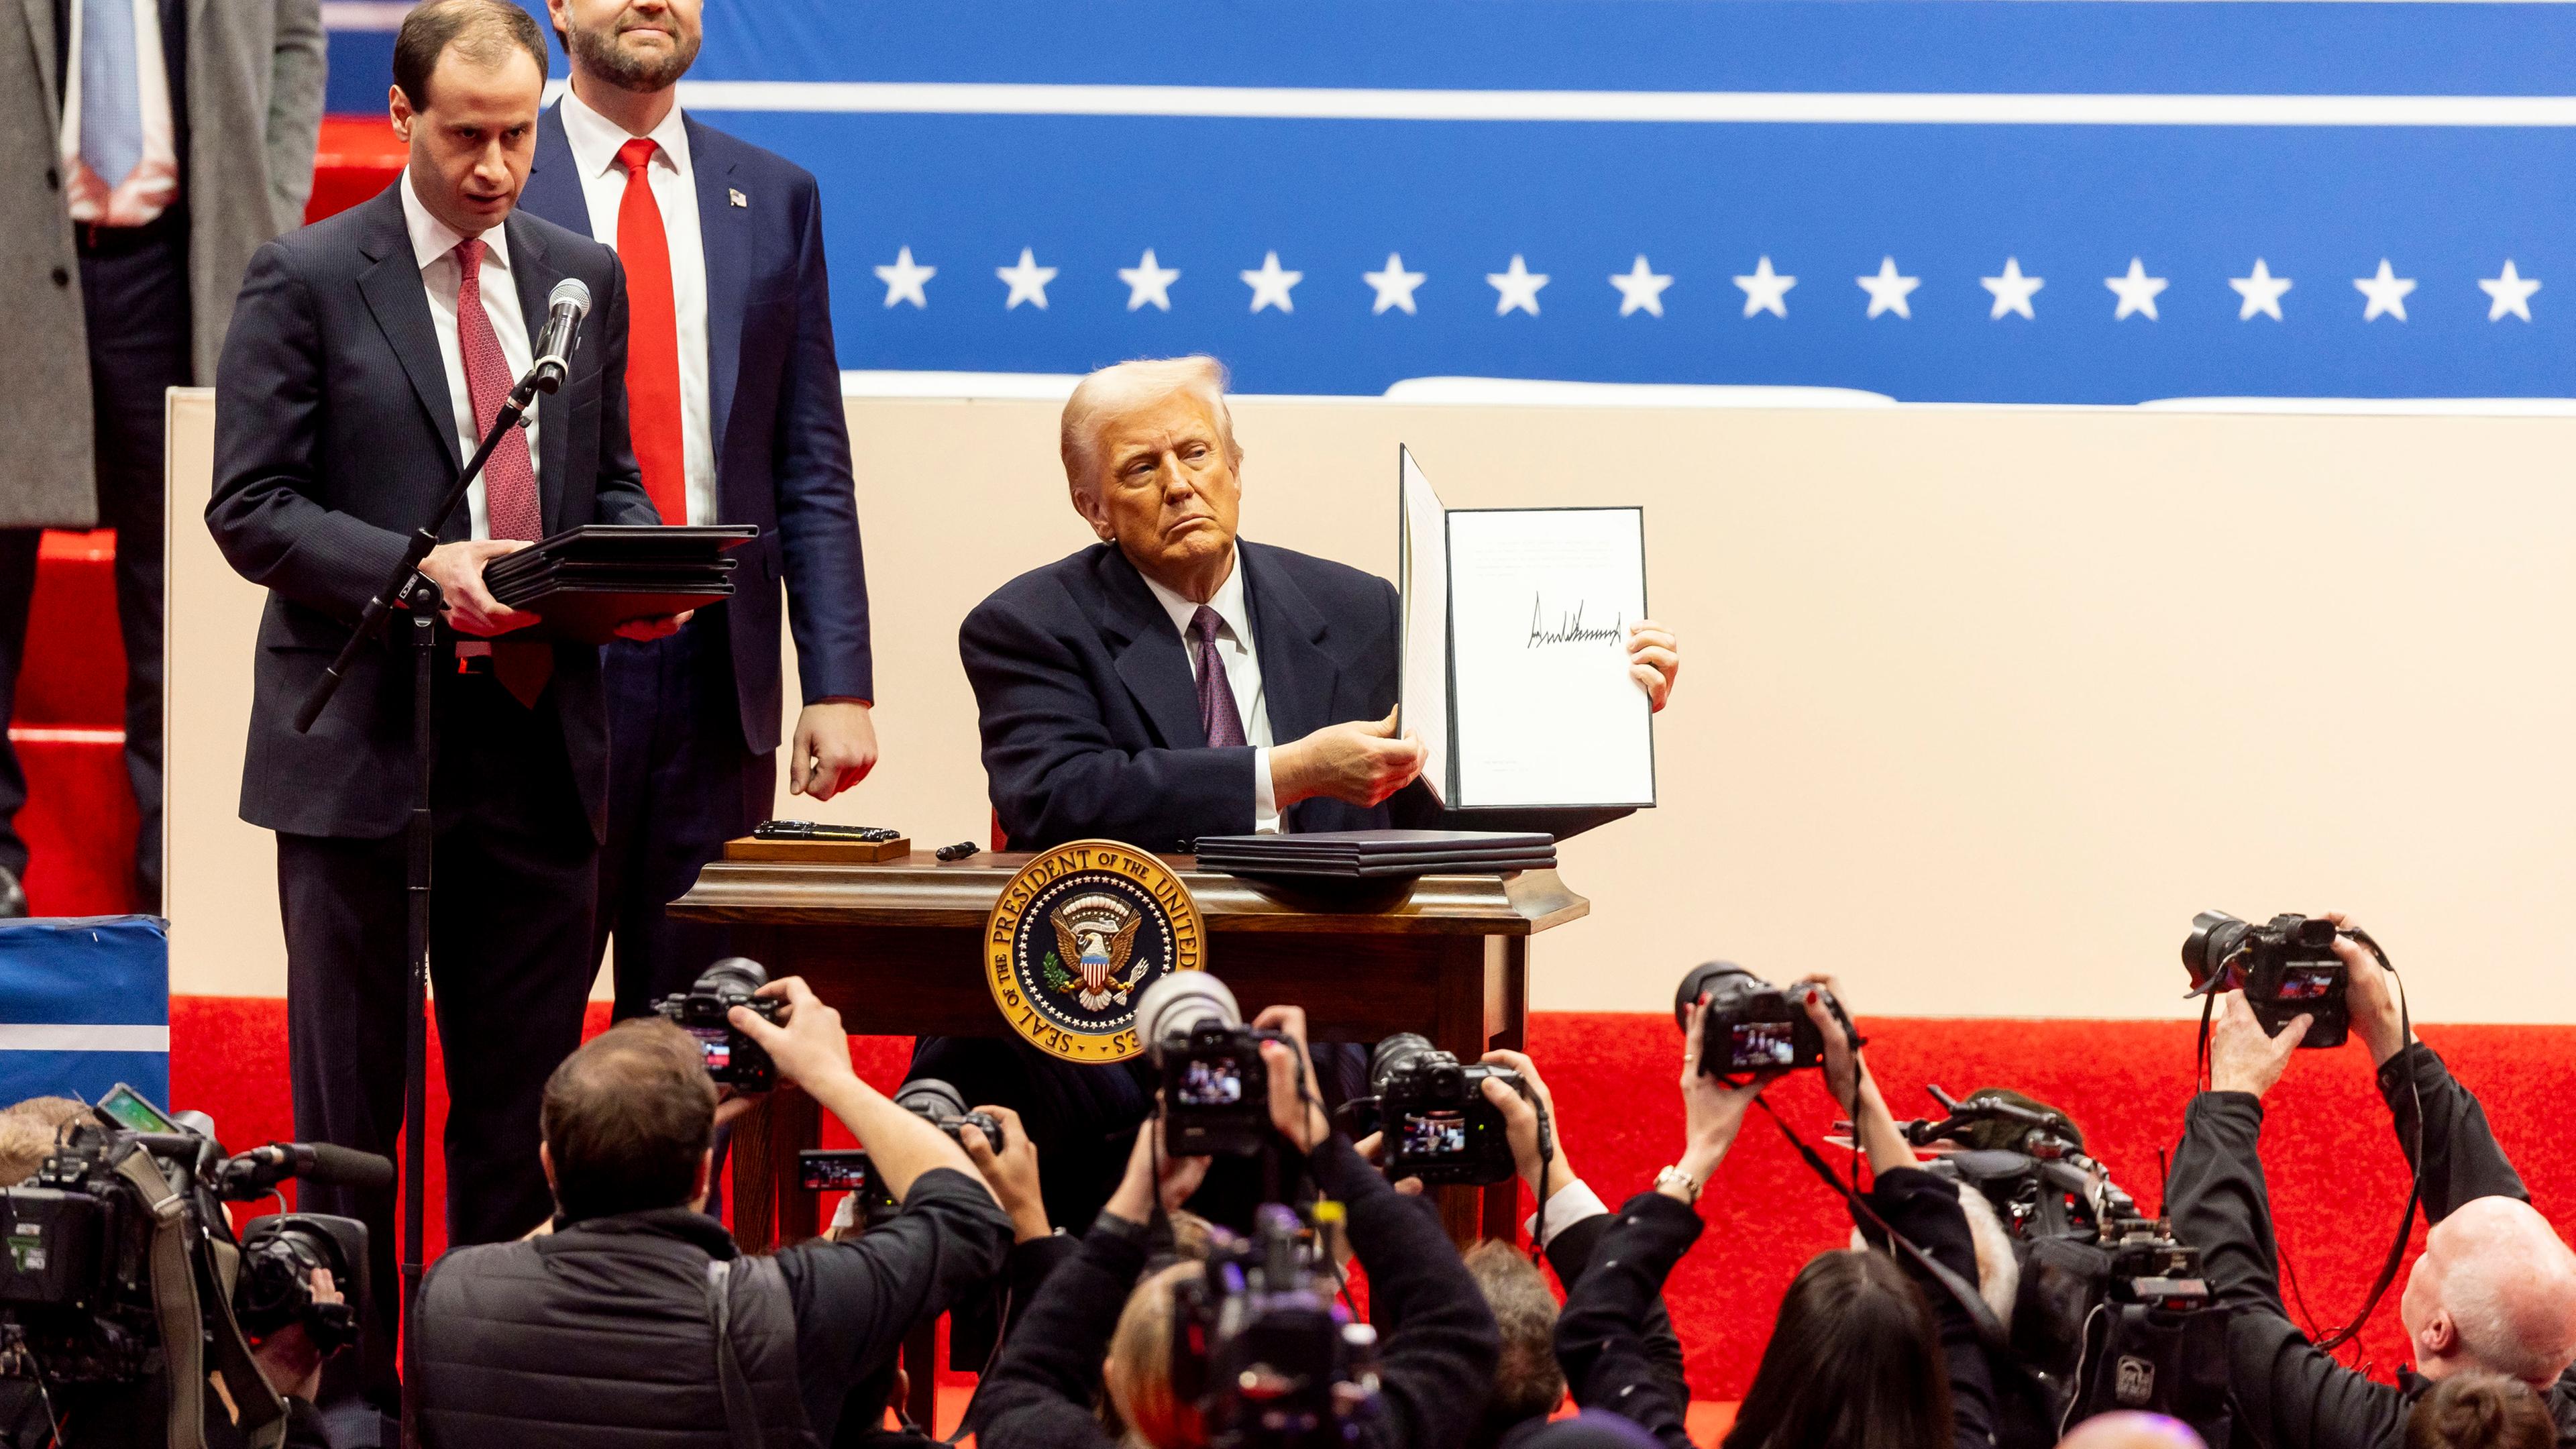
535,276
1297,677
1151,661
554,178
400,305
724,238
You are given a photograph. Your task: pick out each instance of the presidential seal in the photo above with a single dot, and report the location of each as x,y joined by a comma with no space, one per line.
1075,939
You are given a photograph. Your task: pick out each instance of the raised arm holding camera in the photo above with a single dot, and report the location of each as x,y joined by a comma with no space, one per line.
2495,1289
608,1328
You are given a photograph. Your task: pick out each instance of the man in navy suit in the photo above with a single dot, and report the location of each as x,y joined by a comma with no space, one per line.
737,419
1174,681
367,355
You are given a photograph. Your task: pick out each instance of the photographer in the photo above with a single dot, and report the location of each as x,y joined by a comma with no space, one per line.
620,1325
1864,1351
1438,1360
2495,1289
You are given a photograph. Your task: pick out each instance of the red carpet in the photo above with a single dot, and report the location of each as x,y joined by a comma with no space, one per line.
2337,1177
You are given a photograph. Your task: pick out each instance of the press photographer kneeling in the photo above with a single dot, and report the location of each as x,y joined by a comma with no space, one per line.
1246,1348
636,1318
2495,1289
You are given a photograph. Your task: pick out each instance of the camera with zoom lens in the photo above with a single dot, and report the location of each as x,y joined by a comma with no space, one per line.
1259,1345
941,1105
279,1255
848,1169
2287,968
1432,1112
1216,1091
1753,1026
704,1012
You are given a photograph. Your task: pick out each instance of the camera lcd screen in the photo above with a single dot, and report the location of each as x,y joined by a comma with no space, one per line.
2308,983
833,1171
715,1046
1211,1082
1434,1134
130,1109
1764,1044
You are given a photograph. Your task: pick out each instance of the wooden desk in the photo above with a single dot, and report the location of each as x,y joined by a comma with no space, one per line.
895,948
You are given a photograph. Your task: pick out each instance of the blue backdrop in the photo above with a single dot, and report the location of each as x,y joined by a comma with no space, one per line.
2317,138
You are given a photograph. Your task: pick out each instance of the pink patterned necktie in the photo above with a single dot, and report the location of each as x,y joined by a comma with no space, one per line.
1218,712
509,477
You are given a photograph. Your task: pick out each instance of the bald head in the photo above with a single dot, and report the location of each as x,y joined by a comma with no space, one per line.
2494,1291
2131,1431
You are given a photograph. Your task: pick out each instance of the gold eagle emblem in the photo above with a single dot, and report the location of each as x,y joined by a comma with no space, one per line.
1094,936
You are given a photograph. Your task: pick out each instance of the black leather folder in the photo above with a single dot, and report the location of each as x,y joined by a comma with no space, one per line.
584,582
1378,854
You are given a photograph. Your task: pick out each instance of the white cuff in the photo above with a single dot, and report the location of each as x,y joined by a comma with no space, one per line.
1572,1204
1265,795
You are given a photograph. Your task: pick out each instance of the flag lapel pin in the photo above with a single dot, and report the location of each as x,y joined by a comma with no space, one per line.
736,197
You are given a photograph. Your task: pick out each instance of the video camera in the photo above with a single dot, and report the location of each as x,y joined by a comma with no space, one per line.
123,1233
1432,1111
1216,1091
2287,967
704,1011
1754,1026
2113,1312
1260,1346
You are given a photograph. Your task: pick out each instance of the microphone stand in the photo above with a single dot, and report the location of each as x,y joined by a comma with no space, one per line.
407,588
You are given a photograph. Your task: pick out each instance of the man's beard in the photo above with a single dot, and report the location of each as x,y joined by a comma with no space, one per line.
601,54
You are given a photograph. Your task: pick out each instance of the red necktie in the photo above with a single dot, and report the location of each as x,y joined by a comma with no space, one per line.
510,507
652,338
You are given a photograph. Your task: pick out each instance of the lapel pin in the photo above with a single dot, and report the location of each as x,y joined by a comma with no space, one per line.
736,197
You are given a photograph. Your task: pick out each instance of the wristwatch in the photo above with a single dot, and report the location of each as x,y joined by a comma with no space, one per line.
1689,1184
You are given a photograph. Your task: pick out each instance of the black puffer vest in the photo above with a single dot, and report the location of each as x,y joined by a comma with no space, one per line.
603,1336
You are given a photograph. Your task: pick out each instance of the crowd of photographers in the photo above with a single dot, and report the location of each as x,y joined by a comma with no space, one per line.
1999,1291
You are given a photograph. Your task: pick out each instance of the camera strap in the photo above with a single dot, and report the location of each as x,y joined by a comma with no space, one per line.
742,1421
189,1324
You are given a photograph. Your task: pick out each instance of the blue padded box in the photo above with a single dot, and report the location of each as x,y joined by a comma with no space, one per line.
84,1004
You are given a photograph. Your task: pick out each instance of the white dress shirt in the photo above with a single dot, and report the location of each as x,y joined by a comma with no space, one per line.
148,190
433,245
594,139
1242,675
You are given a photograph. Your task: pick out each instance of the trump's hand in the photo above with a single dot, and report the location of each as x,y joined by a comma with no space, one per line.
1655,659
1360,763
834,747
457,569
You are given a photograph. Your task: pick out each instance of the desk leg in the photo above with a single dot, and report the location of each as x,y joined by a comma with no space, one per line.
1507,1022
1470,982
771,1207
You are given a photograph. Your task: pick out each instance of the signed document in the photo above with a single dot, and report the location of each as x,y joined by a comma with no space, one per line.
1526,678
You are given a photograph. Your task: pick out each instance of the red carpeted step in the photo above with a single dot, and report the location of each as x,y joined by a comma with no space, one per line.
79,820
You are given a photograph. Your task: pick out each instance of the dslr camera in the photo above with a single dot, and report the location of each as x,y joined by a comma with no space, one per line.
2287,967
941,1105
733,1059
1753,1026
279,1255
1437,1124
1216,1092
1259,1345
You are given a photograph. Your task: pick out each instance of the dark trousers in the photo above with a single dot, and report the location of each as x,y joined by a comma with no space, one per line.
514,872
134,289
680,784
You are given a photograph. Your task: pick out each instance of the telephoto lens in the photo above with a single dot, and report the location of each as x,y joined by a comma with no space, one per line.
943,1107
1216,1092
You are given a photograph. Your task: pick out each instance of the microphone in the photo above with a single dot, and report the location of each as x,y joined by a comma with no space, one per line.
320,1163
566,305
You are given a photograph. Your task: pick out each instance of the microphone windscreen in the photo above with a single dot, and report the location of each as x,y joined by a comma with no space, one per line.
347,1167
570,289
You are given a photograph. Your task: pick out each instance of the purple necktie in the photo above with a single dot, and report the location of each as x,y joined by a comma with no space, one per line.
1217,711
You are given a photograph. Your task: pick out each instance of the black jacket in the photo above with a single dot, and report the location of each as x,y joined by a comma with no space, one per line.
1606,1342
1434,1366
600,1330
1024,1272
2287,1393
334,437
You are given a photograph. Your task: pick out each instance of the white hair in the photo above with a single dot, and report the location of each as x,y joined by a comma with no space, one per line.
1127,386
1998,1271
2511,1291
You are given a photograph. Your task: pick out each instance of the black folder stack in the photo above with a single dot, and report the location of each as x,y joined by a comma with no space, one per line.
586,581
1378,854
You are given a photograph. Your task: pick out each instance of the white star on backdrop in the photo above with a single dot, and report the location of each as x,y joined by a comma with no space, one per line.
2012,290
2261,291
1148,282
1766,290
1516,288
1394,285
1888,291
2510,292
2136,291
1640,288
1270,285
2386,291
1028,281
903,280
